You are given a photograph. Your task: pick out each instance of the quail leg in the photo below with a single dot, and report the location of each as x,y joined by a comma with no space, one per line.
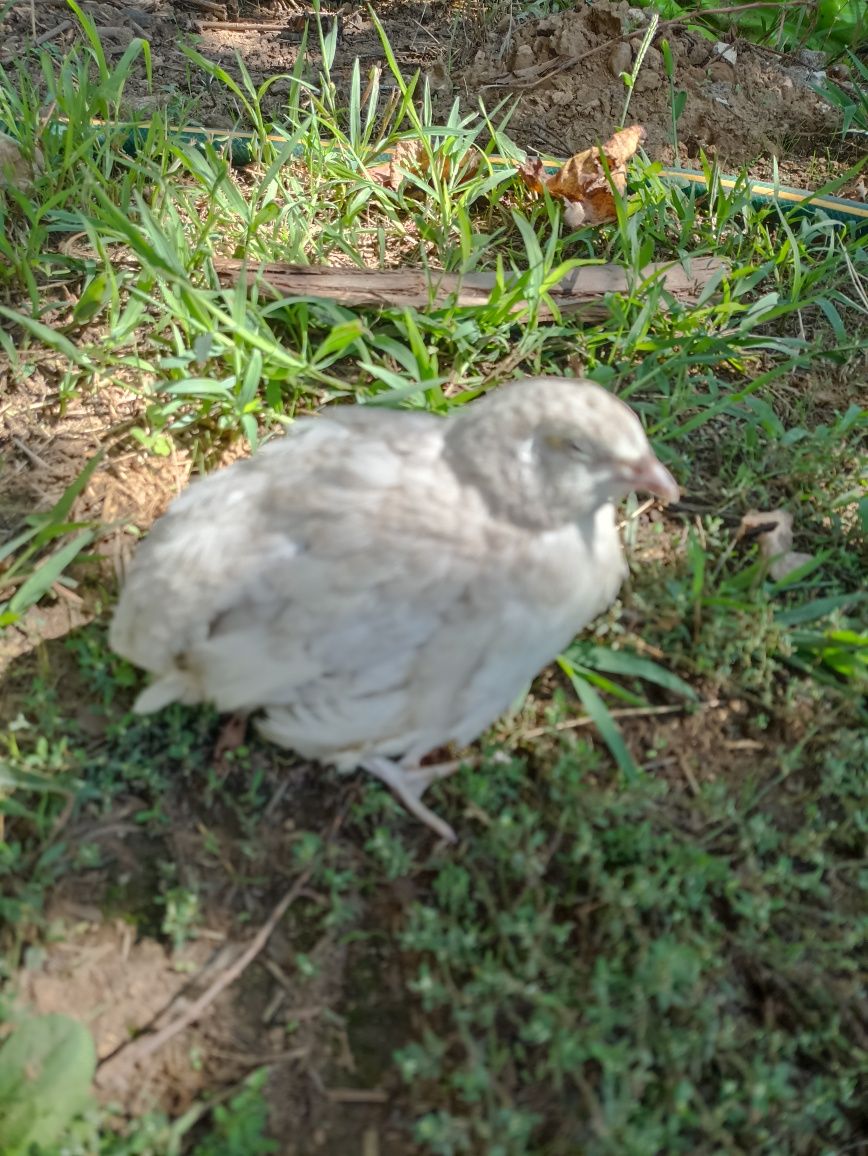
409,784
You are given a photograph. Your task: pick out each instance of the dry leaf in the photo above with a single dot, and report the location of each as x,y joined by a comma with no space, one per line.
773,530
411,156
407,155
533,173
582,182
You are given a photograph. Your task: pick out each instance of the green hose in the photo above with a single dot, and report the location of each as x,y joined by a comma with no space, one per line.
241,149
763,192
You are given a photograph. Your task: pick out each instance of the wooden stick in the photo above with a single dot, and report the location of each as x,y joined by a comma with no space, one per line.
295,22
238,26
536,74
581,291
357,1095
699,13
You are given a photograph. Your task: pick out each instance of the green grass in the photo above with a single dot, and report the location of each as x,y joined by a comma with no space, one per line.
852,99
651,936
829,26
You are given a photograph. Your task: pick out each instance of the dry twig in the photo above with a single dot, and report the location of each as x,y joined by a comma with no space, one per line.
572,724
139,1049
118,1065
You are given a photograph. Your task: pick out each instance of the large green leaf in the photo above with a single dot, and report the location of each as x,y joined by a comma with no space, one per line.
46,1069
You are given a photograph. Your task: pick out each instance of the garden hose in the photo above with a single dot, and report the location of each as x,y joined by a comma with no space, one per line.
241,148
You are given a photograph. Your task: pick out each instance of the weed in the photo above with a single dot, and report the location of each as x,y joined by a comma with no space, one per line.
677,97
832,27
630,78
852,100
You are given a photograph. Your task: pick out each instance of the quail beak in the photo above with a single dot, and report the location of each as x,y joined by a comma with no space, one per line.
651,475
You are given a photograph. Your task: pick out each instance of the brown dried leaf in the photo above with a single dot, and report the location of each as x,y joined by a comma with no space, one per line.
410,156
406,156
582,181
773,529
775,543
533,173
624,144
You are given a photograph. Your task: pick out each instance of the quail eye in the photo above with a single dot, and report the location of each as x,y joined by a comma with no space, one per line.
578,450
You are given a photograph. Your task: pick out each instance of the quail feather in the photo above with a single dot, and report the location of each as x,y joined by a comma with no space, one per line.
381,583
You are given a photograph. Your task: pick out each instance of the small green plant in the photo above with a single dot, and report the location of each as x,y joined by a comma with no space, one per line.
852,100
31,569
181,914
828,25
238,1127
677,96
589,667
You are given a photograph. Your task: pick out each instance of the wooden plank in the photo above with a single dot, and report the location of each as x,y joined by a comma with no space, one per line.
582,291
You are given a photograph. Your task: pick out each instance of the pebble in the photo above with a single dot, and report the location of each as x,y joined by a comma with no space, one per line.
438,78
620,59
524,57
571,40
722,72
118,37
647,81
137,16
812,59
16,171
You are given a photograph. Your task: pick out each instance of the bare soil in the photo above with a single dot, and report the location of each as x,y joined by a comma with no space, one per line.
558,73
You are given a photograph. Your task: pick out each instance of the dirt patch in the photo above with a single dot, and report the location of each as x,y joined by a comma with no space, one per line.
116,987
323,1040
743,104
564,69
46,439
